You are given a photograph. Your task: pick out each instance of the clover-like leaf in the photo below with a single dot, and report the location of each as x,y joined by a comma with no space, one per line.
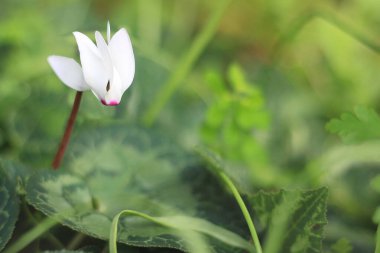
362,125
9,207
114,169
294,220
342,246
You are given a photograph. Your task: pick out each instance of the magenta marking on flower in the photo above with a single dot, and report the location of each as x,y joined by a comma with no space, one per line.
111,103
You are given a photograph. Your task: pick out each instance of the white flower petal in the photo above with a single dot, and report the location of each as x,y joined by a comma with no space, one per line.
103,49
94,70
108,32
120,48
69,71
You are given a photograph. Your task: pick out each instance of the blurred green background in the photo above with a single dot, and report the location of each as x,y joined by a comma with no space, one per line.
255,80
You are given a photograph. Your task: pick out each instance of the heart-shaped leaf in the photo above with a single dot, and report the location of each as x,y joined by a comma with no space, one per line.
114,169
294,220
9,207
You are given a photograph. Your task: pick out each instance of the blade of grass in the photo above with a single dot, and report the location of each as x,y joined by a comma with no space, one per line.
34,221
330,18
350,29
31,235
185,63
377,249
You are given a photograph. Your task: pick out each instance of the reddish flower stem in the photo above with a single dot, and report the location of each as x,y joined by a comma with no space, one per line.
66,136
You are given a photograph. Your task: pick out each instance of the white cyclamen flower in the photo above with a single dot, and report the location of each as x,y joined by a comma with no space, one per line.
107,68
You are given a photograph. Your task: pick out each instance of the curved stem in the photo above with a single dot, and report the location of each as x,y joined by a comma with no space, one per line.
191,229
244,210
66,136
115,221
217,168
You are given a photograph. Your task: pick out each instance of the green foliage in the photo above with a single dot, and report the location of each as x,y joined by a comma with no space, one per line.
216,165
362,125
187,61
265,117
9,207
342,246
17,173
191,229
377,249
218,168
65,251
294,220
114,169
375,185
236,118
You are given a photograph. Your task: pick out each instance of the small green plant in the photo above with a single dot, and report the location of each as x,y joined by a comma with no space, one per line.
237,119
225,143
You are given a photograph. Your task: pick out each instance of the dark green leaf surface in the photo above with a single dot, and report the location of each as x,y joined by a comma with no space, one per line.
294,220
9,207
362,125
115,169
215,163
17,173
65,251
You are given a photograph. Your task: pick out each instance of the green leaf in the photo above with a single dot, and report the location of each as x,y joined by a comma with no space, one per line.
215,82
114,169
17,173
294,220
9,207
237,78
362,125
342,246
65,251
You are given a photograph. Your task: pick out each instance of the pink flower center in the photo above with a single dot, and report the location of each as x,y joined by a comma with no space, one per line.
111,103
